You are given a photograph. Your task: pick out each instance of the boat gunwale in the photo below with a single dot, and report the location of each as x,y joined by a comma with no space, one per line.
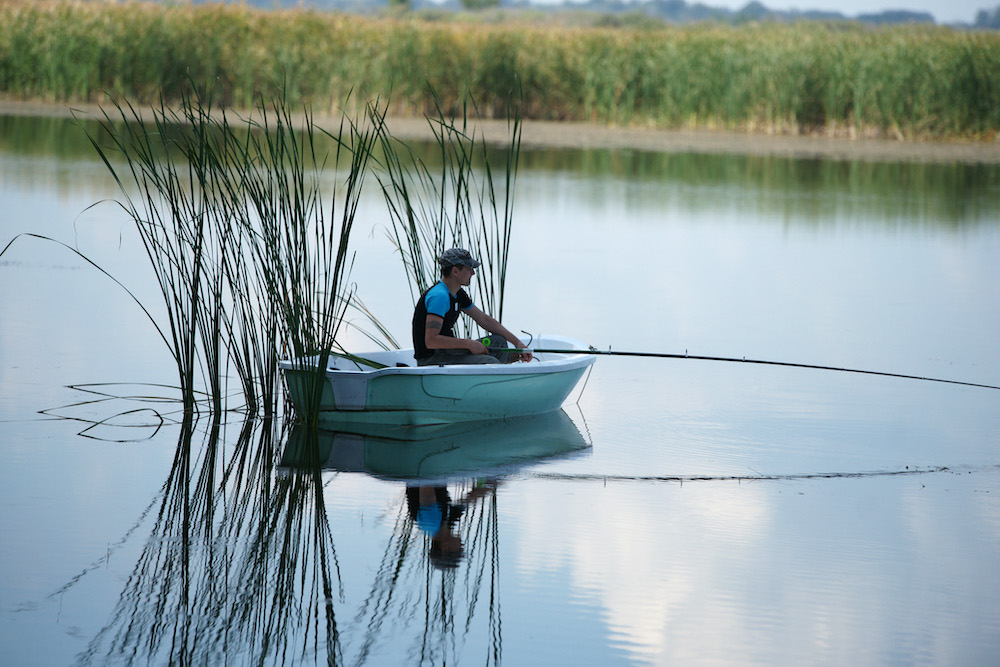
564,362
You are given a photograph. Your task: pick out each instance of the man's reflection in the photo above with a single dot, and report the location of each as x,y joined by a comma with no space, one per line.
433,511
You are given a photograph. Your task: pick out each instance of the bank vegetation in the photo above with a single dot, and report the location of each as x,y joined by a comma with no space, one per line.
826,78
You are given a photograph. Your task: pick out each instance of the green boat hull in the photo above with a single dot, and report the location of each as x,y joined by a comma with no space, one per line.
351,393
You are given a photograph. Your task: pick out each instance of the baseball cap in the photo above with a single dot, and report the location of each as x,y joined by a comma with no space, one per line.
457,257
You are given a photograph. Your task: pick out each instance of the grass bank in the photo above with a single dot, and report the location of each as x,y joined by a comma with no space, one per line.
808,77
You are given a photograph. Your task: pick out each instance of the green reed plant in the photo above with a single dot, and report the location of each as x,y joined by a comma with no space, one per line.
302,253
250,262
458,205
171,221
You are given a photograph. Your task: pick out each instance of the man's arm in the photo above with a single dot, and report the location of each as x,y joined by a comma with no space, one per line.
491,325
435,341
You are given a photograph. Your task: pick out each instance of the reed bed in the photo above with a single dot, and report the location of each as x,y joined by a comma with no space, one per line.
252,259
459,203
842,78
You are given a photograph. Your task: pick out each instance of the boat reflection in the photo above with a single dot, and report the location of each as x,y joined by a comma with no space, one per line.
439,452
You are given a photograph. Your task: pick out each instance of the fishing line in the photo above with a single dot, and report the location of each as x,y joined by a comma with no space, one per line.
586,379
744,360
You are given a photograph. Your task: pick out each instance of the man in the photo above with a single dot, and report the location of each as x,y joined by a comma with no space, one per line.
437,311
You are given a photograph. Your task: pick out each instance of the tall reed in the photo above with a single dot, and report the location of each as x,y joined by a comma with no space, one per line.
834,77
250,263
459,206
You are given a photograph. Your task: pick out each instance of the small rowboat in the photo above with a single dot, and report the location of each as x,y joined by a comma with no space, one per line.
388,388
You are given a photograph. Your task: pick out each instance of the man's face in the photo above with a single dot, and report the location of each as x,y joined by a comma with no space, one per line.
464,275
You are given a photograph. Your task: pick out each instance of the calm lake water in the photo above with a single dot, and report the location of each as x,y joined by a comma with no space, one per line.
677,512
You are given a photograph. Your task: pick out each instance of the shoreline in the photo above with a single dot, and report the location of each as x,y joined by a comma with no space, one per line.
574,135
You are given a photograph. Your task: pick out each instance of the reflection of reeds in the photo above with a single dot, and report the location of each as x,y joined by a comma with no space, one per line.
434,609
249,263
458,206
239,564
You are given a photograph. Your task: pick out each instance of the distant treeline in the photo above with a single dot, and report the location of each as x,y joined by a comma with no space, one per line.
988,19
904,81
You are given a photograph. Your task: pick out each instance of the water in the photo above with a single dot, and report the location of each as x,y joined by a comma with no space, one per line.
694,512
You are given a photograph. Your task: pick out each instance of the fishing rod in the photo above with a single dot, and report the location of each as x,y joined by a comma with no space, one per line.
744,360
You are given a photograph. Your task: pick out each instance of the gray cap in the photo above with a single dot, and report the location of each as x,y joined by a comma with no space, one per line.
457,257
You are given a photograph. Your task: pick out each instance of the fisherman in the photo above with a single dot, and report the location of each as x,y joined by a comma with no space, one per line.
437,310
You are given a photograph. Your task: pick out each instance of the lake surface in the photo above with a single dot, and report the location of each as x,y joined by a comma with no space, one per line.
682,512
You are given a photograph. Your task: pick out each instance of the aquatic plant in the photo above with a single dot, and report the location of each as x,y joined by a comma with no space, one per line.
460,204
250,263
251,266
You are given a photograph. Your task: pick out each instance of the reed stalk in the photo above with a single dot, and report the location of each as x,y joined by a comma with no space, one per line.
460,205
251,263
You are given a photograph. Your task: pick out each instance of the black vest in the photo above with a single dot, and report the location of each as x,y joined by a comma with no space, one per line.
459,301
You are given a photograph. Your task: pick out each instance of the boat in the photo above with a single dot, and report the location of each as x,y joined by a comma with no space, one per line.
438,452
388,388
